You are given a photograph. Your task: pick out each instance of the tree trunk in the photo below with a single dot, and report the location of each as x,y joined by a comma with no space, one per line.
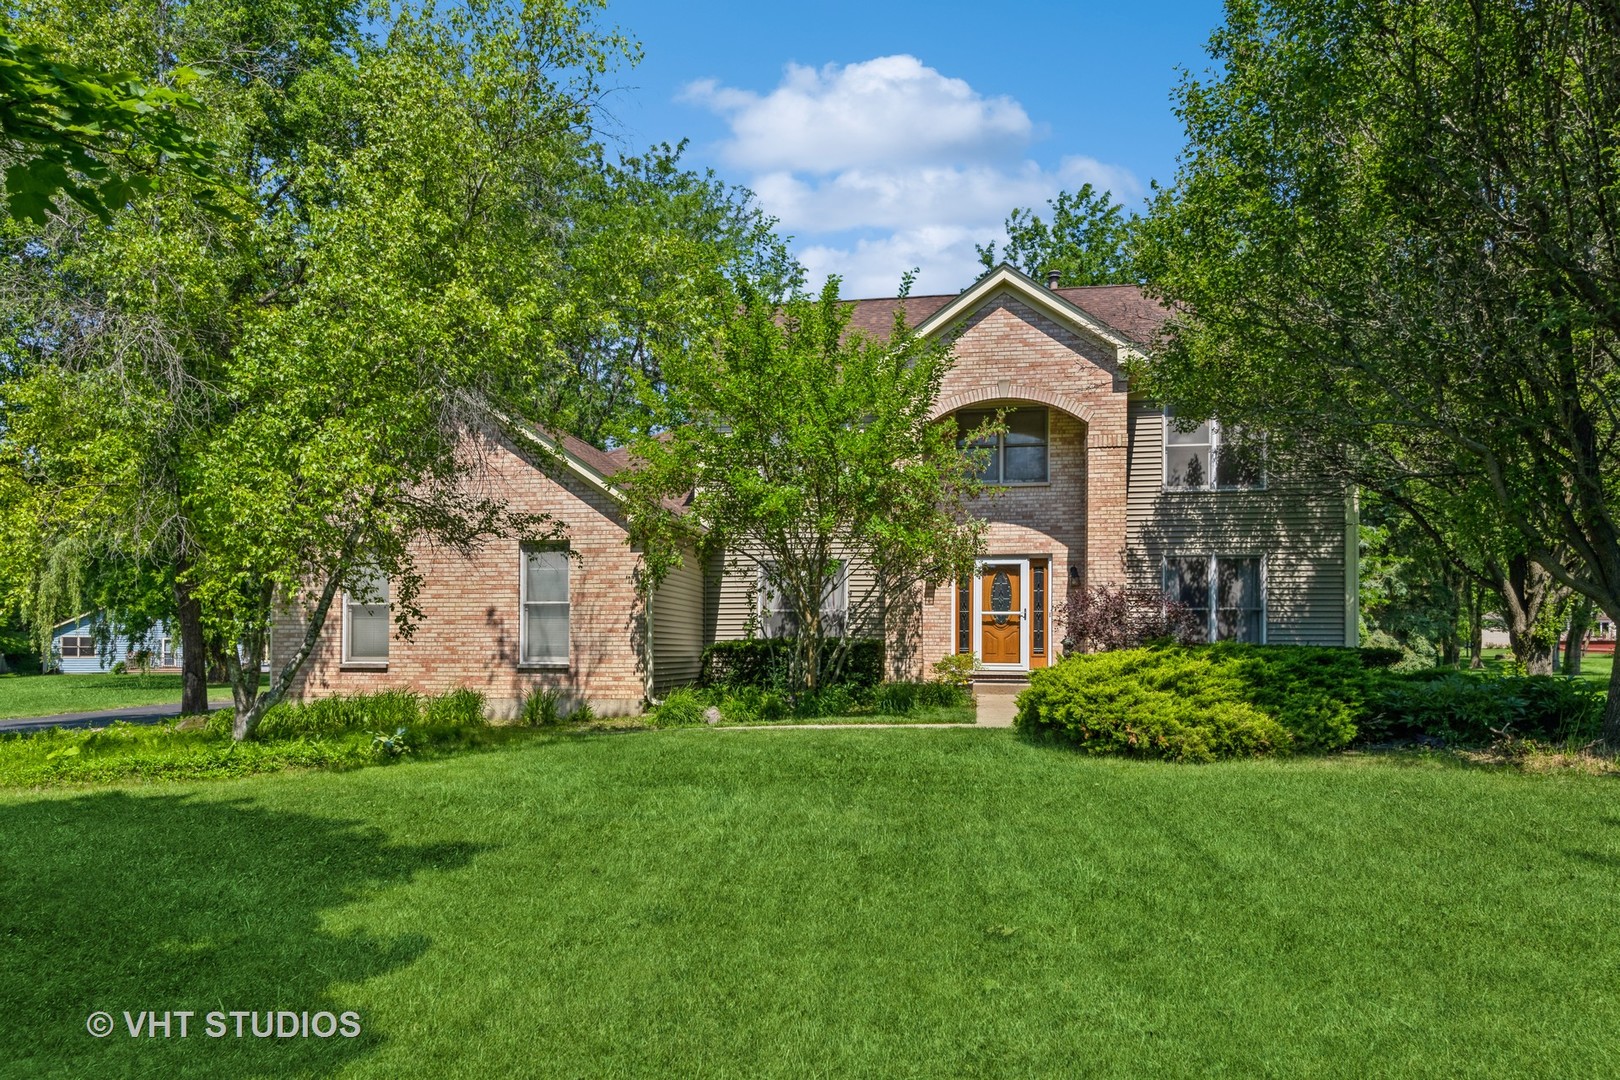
1525,588
1580,620
193,647
251,705
1450,638
1476,630
1611,711
1532,650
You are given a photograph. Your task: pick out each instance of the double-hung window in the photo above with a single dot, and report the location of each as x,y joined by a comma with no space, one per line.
1016,456
365,620
776,615
1228,591
545,607
1206,458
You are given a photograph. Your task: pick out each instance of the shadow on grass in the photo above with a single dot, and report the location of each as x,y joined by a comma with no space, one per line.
119,902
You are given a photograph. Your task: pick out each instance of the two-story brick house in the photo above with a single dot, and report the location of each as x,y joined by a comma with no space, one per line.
1095,485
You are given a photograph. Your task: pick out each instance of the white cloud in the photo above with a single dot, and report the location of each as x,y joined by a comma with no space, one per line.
877,112
921,166
944,255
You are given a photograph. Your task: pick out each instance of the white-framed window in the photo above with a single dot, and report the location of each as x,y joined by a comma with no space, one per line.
1230,591
76,646
1207,459
1017,456
166,651
776,616
365,620
545,607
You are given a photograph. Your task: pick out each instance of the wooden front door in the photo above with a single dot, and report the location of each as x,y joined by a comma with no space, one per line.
1001,626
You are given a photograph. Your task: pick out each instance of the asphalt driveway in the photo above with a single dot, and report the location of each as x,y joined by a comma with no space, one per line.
138,714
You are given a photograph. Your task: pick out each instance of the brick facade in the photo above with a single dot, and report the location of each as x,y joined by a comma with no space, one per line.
1010,355
469,631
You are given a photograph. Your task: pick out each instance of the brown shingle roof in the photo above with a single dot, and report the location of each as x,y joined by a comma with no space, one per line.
1125,309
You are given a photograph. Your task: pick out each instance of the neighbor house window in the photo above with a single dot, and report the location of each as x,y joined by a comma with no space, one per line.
545,606
1227,590
1205,458
76,646
365,620
1018,456
776,616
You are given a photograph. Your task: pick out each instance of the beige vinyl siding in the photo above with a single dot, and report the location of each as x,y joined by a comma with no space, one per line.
733,596
677,616
1298,527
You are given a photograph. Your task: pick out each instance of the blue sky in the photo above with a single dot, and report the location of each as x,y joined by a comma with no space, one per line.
887,136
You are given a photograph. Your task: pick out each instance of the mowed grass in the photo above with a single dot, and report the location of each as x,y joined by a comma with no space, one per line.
1595,667
898,903
47,695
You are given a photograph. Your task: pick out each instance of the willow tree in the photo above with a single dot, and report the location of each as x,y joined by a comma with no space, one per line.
1394,244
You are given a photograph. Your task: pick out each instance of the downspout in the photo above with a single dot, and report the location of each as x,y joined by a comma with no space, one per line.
647,688
1352,568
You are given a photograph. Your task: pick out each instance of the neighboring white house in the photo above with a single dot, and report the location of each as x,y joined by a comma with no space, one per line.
74,648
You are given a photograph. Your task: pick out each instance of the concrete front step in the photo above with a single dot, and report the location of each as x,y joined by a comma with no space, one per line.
998,687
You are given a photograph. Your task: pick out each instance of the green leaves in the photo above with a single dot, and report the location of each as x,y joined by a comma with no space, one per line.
95,137
1086,243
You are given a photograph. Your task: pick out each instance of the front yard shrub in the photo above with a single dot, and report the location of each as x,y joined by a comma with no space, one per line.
764,663
1199,703
681,707
1476,710
957,669
753,705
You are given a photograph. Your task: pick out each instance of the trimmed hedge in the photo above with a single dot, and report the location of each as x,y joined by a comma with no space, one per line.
1201,702
689,706
764,663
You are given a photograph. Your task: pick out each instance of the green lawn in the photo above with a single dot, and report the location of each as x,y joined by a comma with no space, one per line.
1594,668
46,695
898,903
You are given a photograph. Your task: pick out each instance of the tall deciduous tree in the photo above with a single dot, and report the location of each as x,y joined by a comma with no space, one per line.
810,460
1396,244
290,403
1086,242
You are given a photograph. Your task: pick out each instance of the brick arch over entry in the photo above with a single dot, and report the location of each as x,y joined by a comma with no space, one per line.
1011,391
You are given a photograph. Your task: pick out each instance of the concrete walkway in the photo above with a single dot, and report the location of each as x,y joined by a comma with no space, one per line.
996,708
137,714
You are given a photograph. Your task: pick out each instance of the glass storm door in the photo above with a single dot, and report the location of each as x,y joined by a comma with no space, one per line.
1001,614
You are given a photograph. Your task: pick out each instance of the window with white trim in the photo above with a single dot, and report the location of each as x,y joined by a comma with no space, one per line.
76,646
1016,456
545,606
365,620
1205,458
776,615
1228,589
